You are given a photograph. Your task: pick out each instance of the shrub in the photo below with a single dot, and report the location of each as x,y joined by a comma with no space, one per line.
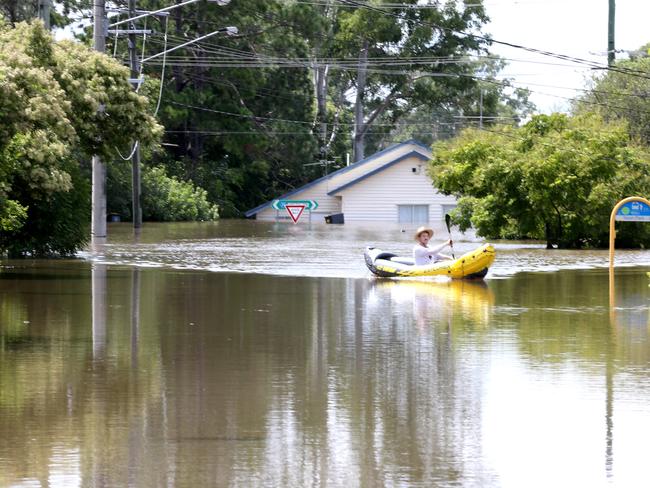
166,198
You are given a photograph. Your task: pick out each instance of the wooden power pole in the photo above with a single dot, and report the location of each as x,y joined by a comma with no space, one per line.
135,157
611,33
98,219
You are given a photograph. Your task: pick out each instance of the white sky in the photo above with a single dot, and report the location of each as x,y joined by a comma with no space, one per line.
574,27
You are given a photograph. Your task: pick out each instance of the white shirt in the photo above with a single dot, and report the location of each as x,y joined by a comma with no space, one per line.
427,255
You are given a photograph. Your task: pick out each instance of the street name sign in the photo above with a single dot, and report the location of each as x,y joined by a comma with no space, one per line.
633,211
281,204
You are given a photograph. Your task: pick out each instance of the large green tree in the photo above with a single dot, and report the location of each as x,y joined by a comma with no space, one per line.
254,115
556,178
250,116
60,103
400,36
236,125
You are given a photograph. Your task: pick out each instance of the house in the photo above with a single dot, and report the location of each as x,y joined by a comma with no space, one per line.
391,186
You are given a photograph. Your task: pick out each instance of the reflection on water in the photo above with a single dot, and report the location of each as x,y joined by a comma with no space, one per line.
463,301
316,250
116,376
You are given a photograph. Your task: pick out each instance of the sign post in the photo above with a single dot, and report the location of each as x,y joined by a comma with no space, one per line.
631,209
295,208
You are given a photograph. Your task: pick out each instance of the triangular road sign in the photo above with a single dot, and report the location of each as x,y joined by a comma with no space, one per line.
295,211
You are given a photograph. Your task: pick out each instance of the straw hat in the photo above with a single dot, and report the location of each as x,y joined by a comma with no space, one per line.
421,230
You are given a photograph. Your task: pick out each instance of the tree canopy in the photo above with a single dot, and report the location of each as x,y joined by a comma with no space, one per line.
623,95
50,121
251,116
556,178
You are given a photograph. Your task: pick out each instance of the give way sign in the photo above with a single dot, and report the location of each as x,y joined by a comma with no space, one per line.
295,210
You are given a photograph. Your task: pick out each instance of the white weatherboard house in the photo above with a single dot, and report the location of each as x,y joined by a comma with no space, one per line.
389,186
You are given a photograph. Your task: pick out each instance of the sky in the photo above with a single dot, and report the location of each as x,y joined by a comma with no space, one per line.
574,27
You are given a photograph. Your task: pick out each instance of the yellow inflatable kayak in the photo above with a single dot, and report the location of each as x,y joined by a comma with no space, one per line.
474,264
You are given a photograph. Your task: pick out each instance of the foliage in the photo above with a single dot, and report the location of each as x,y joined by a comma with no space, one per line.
50,119
556,178
57,223
13,216
61,12
246,151
387,93
169,199
623,96
489,102
252,116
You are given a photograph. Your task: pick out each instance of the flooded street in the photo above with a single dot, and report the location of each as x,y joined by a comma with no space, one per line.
316,250
250,354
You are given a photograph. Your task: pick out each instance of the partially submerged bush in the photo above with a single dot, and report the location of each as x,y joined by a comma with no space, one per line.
166,198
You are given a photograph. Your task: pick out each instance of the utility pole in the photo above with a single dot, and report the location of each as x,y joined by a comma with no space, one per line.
135,157
611,33
480,120
98,221
44,7
100,31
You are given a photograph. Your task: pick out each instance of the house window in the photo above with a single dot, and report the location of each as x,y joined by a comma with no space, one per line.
413,214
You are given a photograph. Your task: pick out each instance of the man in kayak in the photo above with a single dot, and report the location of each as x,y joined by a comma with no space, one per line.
422,253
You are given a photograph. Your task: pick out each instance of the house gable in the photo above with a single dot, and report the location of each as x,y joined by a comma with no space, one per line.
320,188
409,155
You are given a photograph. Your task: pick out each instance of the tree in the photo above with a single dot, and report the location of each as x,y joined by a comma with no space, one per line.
556,178
401,35
251,116
50,122
169,199
623,96
491,101
25,10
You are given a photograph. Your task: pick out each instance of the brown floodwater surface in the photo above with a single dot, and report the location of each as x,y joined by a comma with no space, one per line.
116,371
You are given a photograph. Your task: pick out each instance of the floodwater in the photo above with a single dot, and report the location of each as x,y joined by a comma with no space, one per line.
299,370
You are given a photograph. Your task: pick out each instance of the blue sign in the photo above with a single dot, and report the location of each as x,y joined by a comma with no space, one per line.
634,212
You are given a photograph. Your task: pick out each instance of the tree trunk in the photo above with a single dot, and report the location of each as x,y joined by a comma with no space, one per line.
358,150
547,231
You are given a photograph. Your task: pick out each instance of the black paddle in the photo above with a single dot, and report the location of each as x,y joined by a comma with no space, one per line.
448,222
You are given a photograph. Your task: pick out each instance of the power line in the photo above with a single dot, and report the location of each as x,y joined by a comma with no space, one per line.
306,122
510,83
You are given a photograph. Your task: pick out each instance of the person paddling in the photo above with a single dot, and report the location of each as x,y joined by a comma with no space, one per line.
422,253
